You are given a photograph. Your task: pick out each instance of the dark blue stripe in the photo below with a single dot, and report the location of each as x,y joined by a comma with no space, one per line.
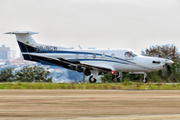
71,52
98,60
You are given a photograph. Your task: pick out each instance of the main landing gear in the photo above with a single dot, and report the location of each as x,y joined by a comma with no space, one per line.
93,77
92,80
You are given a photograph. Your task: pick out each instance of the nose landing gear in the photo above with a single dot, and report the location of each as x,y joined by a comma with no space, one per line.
117,76
145,79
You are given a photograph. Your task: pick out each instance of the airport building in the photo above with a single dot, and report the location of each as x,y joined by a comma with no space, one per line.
13,55
4,53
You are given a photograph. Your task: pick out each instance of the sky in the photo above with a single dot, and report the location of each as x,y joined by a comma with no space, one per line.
133,24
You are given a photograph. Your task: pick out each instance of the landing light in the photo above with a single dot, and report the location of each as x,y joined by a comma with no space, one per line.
112,72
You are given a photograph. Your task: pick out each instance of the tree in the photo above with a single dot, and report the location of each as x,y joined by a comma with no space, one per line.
33,74
168,51
74,75
107,78
7,75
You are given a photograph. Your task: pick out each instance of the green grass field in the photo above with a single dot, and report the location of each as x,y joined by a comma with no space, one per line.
122,86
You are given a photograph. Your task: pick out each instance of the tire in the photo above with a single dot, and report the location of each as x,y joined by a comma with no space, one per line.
92,80
145,80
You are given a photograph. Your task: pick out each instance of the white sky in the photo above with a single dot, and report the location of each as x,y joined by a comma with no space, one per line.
134,24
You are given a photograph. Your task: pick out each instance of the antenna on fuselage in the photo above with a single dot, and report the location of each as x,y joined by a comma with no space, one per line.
79,47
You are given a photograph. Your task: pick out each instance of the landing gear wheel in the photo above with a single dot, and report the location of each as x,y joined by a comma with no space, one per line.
91,79
145,80
118,79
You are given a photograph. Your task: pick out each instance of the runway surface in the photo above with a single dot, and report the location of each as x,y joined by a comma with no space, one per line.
89,104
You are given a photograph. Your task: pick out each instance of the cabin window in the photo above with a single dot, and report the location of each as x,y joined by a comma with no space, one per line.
85,56
112,56
77,56
103,56
128,54
94,55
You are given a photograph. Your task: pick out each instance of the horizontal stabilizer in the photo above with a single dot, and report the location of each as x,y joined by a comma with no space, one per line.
21,32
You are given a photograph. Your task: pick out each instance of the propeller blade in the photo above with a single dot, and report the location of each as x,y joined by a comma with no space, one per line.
164,70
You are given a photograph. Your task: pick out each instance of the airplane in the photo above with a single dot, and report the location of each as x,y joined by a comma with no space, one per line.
92,62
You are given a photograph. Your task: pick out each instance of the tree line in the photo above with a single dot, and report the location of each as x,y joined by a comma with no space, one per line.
27,74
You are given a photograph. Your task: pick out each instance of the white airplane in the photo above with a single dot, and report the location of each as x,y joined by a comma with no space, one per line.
92,62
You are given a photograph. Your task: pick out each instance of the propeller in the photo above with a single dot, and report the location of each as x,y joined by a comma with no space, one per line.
166,70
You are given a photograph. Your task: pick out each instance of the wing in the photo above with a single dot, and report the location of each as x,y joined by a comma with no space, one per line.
79,66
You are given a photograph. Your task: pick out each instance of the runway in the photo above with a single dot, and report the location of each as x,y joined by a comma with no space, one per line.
89,104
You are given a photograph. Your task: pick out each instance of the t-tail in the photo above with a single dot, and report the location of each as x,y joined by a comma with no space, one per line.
30,49
26,43
25,40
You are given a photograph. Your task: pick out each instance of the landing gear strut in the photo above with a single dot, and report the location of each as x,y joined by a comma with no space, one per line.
120,76
84,81
94,75
145,79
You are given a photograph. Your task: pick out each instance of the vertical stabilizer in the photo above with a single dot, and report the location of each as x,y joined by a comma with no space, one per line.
26,43
25,40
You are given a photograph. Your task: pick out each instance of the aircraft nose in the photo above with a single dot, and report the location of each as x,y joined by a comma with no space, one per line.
169,62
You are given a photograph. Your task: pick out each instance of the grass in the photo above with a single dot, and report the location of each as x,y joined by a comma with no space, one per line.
122,86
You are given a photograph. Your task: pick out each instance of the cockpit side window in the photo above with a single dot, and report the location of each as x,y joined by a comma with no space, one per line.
128,54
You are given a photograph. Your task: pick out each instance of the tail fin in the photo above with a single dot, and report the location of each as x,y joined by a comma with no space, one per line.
24,37
25,40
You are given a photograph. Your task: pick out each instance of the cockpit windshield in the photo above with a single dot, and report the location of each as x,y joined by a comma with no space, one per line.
135,54
130,54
